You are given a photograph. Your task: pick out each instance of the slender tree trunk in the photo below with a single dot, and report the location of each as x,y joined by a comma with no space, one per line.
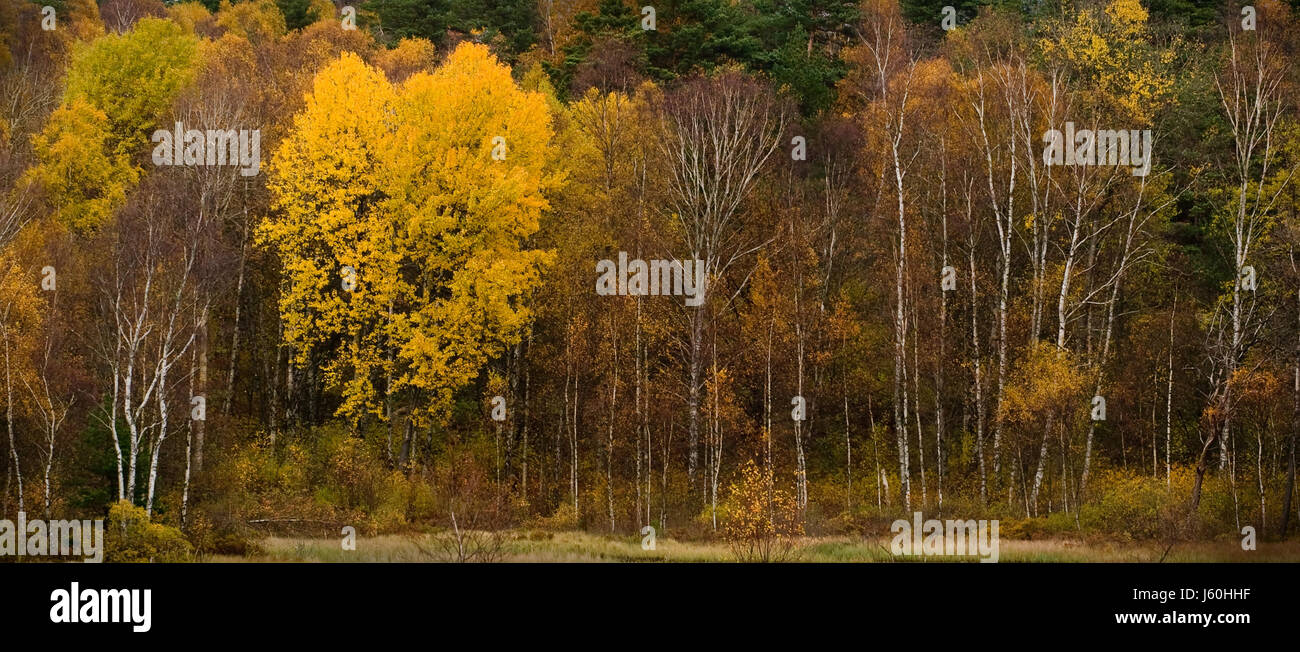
1002,356
523,457
848,447
916,397
1259,477
234,336
715,438
693,396
573,442
189,455
767,413
162,430
609,440
979,377
9,417
1169,396
1101,366
875,449
132,427
1042,461
636,403
663,485
200,427
564,420
1295,424
801,468
1200,470
939,374
900,371
112,426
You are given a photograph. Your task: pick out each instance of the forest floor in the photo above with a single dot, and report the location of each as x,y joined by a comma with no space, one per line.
538,546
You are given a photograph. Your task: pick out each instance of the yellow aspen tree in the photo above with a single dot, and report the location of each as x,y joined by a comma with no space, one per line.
83,179
399,218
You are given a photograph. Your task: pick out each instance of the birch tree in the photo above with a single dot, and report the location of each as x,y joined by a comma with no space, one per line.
717,134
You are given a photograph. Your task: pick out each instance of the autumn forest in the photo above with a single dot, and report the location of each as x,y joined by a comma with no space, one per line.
537,279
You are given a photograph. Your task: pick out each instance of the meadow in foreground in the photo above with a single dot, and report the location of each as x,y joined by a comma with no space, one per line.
537,546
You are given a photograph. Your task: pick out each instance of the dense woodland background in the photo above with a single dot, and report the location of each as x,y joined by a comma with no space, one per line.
921,148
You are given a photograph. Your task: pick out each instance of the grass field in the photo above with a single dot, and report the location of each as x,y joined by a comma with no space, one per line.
538,546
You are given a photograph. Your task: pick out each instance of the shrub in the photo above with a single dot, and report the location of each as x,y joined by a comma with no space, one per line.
131,537
760,521
1131,507
564,518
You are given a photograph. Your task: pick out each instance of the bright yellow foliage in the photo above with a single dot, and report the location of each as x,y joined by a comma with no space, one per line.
325,10
85,181
761,521
255,20
400,184
1045,381
411,55
133,78
1113,53
84,22
188,14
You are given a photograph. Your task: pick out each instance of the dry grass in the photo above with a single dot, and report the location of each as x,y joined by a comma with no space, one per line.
539,546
